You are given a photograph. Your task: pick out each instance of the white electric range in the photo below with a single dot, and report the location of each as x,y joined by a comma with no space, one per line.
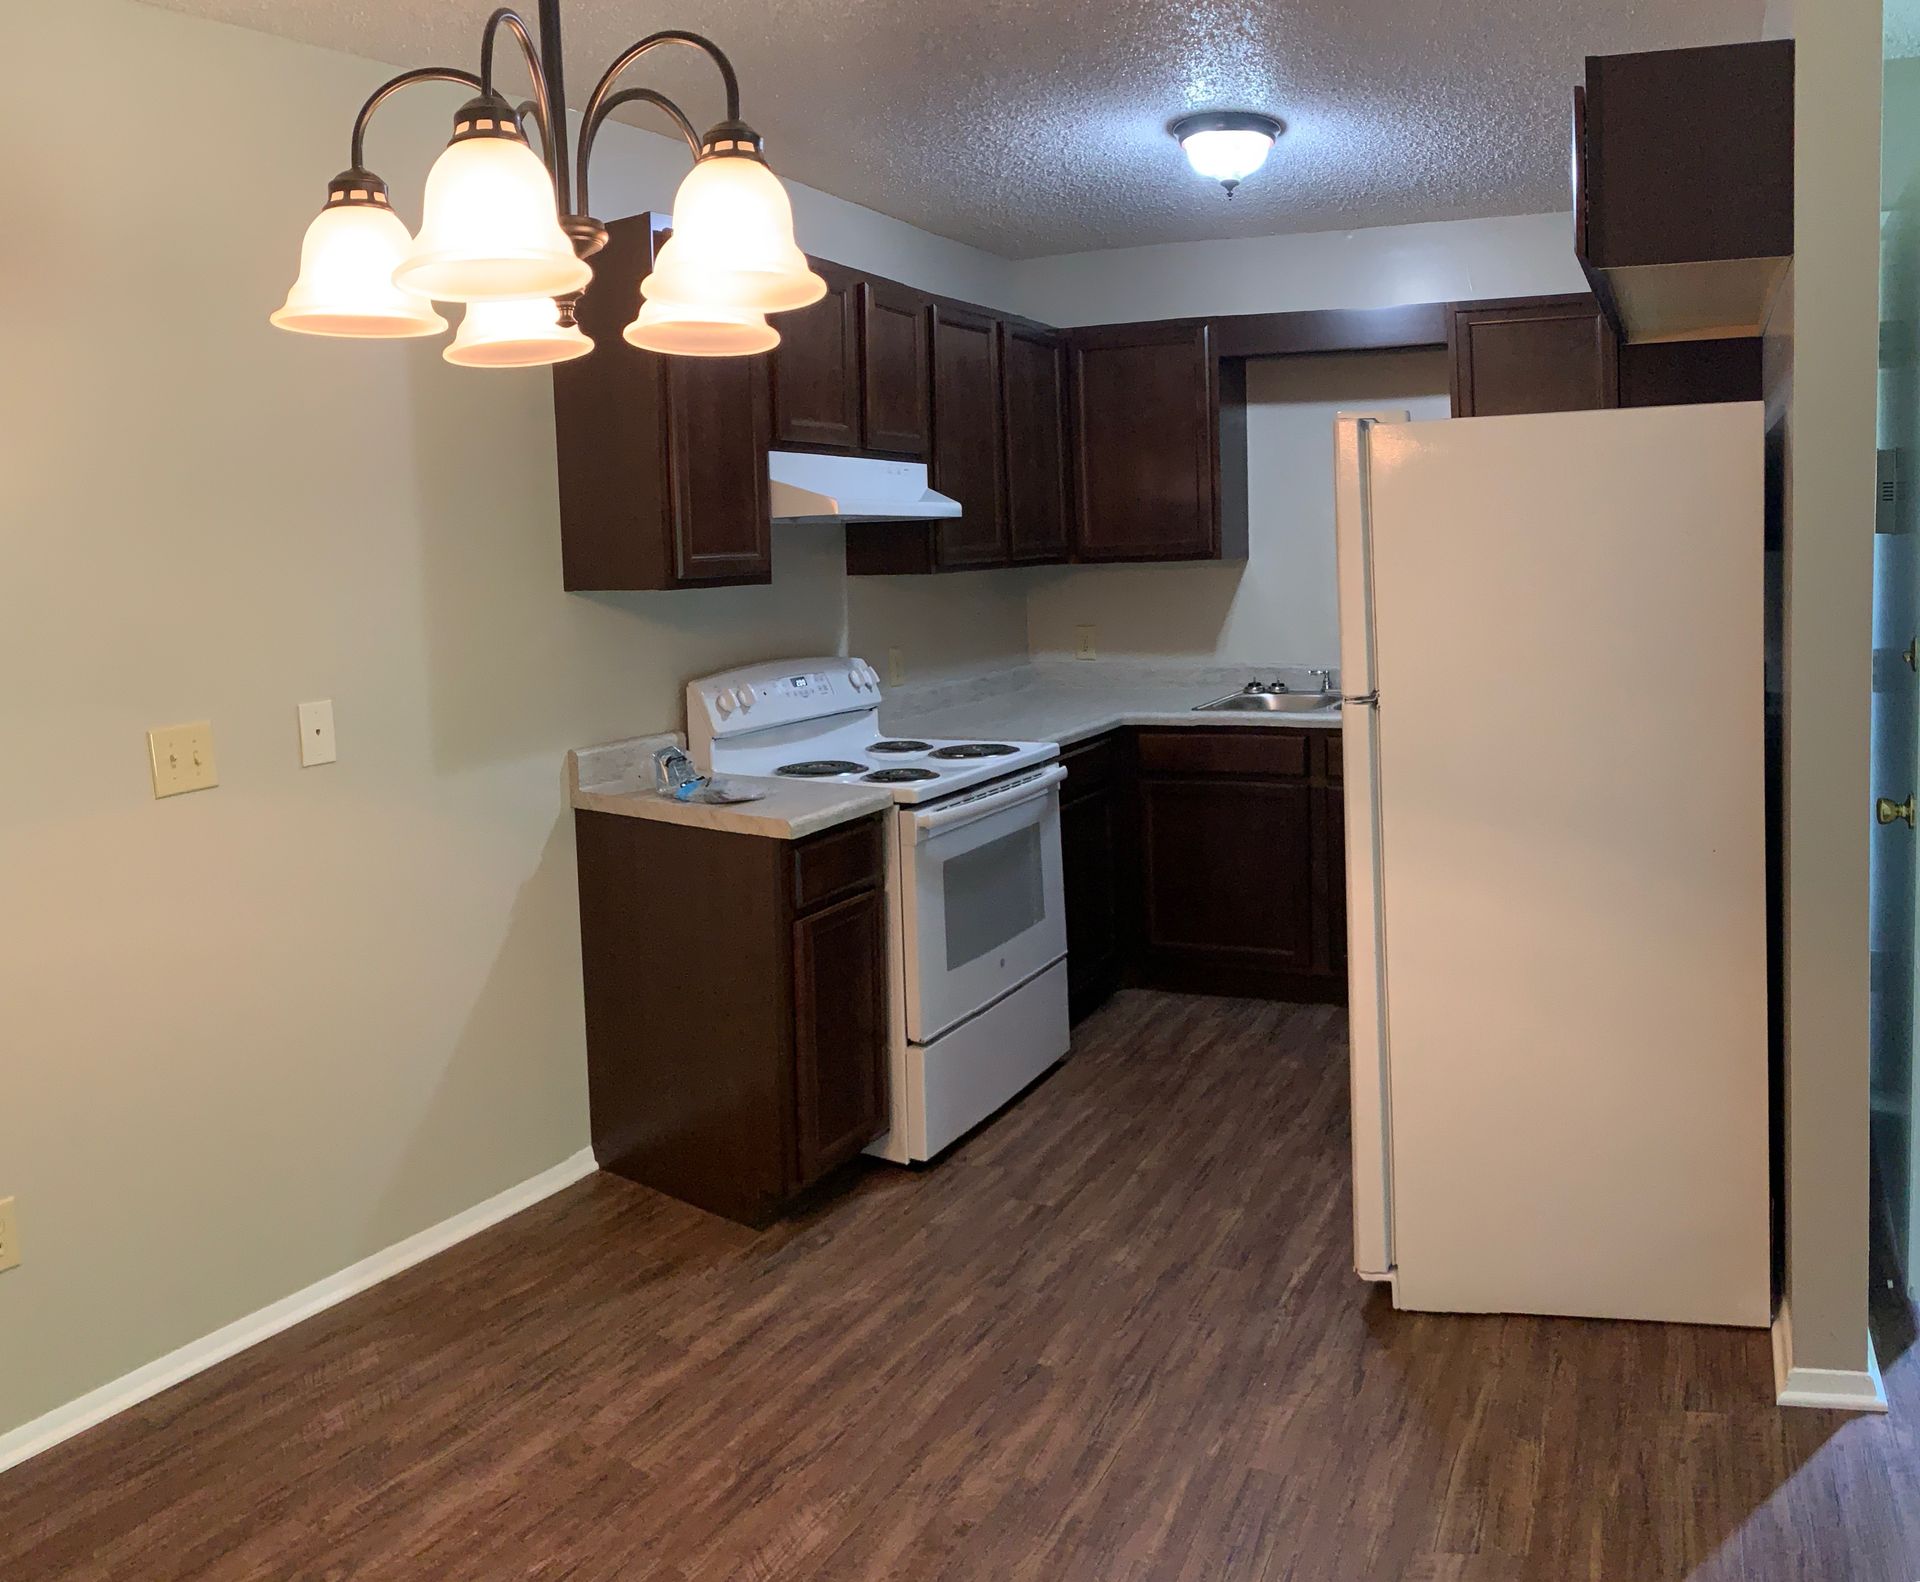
978,938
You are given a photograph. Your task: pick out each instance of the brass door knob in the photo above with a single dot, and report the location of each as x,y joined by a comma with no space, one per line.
1888,811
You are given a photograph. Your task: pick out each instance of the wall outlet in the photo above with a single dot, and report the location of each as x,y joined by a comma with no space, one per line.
182,758
9,1236
1084,644
316,733
896,668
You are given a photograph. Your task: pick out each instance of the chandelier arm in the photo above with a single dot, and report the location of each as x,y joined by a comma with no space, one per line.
529,110
510,19
633,52
387,89
590,129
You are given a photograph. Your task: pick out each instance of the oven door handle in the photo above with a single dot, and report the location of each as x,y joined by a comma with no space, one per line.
981,804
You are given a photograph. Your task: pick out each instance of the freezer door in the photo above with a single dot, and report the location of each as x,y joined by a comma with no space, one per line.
1366,1002
1366,1023
1567,633
1350,484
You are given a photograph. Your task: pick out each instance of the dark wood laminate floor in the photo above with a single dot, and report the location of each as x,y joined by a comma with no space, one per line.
1113,1337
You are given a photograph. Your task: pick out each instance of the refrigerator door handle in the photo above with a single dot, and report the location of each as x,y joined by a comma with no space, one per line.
1365,700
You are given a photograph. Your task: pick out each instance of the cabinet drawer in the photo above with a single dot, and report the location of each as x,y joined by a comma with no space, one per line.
1092,765
1266,753
1336,758
837,863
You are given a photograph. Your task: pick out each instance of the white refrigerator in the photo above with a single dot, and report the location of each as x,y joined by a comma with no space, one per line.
1551,651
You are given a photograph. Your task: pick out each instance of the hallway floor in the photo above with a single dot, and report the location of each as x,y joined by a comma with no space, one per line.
1115,1336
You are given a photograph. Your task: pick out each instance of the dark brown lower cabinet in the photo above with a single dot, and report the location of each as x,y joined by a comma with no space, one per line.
1239,871
736,1007
1099,862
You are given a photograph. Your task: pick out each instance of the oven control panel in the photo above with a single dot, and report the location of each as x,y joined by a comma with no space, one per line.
755,697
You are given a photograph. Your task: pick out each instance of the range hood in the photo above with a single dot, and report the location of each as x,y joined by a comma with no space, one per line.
811,488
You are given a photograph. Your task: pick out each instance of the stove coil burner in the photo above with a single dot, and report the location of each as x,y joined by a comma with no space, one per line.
901,776
904,745
819,768
975,750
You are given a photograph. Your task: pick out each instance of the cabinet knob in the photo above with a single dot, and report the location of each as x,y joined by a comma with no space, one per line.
1888,811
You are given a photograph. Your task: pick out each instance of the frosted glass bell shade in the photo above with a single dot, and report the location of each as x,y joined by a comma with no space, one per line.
345,285
521,332
732,243
491,229
700,329
1228,156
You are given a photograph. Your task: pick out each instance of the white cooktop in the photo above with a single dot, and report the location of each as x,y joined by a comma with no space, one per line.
819,720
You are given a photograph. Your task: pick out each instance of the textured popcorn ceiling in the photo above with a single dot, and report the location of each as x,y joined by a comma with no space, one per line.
1038,126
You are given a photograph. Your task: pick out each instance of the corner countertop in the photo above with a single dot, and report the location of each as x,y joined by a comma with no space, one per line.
1067,700
1047,700
617,777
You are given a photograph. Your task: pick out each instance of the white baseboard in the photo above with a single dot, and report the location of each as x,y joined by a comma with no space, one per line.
1835,1389
96,1406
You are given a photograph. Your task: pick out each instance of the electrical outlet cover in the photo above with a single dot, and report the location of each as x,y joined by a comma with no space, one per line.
182,758
9,1235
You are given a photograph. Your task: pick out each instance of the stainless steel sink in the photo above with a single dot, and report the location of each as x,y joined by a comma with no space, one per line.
1263,701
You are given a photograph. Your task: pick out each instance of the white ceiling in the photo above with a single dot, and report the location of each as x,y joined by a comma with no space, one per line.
1038,126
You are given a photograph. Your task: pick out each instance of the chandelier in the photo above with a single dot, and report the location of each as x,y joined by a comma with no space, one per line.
507,232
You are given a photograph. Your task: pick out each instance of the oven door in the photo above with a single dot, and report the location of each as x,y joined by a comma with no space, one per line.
983,901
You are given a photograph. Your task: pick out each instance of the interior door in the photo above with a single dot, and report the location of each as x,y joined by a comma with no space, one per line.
1568,649
1892,931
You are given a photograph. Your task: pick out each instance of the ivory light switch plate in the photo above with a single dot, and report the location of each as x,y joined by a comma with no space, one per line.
182,758
316,733
896,668
9,1236
1083,642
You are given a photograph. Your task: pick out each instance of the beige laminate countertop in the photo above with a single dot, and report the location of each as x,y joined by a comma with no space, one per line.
1062,701
1068,701
617,777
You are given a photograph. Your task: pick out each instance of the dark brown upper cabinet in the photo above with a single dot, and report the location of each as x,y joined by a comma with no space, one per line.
662,460
816,368
967,455
1683,187
1545,354
1033,379
1159,456
894,359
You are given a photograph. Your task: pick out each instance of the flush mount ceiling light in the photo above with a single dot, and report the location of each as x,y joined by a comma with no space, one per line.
1227,146
501,231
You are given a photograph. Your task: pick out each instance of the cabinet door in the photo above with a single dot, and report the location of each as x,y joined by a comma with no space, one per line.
1090,842
1557,354
839,1032
966,438
816,367
719,431
1034,419
1227,867
1330,880
1146,409
893,363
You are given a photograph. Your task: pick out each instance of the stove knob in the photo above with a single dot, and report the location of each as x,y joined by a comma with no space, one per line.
726,702
858,679
873,676
748,697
